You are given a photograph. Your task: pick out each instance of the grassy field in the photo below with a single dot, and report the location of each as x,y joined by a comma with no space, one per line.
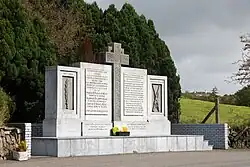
194,111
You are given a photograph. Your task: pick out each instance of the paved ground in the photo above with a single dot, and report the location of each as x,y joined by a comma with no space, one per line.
184,159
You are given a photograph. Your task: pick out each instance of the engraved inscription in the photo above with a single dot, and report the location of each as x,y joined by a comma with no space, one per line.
97,127
137,126
96,92
133,93
157,98
68,92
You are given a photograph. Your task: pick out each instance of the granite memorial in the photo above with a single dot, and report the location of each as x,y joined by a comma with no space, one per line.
83,102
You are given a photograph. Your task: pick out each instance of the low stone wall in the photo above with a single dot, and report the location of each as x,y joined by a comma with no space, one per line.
9,139
216,134
25,133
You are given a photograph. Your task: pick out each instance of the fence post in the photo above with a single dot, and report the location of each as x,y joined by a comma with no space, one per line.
217,113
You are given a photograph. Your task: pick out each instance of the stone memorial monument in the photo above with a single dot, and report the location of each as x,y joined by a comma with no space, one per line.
83,102
88,98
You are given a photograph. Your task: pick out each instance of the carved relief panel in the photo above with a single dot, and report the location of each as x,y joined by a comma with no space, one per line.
68,91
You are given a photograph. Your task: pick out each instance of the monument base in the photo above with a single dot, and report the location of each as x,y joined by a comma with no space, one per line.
62,127
86,146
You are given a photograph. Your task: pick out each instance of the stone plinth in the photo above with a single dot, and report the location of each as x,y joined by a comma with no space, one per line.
85,146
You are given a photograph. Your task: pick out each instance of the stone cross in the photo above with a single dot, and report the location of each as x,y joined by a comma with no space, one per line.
115,56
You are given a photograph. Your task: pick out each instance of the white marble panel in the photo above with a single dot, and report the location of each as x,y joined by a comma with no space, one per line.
205,144
199,143
191,143
97,92
64,148
91,72
118,146
142,146
172,143
105,146
92,147
131,145
151,144
159,127
78,147
133,94
68,127
162,144
110,146
181,143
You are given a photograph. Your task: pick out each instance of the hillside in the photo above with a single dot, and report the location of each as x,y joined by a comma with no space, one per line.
194,111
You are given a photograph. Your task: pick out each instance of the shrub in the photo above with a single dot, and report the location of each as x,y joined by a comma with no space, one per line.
6,107
22,146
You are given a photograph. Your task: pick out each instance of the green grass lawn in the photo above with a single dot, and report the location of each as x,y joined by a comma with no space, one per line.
194,111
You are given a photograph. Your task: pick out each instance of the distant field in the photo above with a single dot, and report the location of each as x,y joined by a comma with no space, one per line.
194,111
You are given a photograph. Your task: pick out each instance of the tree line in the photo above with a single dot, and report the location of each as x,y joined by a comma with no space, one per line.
239,98
39,33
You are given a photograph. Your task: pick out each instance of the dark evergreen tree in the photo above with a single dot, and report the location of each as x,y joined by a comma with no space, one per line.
140,40
25,46
25,50
242,96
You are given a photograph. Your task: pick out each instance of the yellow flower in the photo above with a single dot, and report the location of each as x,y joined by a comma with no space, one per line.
124,128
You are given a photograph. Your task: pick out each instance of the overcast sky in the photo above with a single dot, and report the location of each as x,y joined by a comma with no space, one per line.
202,35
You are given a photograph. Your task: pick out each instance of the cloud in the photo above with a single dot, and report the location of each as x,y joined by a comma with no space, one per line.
203,37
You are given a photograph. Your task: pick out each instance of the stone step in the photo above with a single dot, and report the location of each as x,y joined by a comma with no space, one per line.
205,143
208,148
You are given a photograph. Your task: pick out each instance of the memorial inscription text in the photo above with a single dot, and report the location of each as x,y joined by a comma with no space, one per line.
97,92
137,126
133,94
97,127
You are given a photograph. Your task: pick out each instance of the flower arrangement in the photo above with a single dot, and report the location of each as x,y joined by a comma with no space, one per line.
115,129
120,131
124,128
